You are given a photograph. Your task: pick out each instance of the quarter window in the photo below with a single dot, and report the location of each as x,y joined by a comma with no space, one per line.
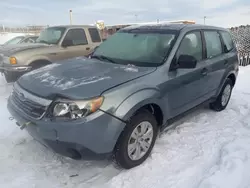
191,45
213,43
77,36
228,41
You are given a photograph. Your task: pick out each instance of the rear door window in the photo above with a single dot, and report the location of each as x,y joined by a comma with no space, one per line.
213,43
30,40
94,34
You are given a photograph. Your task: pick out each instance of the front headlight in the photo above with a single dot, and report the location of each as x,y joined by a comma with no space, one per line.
76,109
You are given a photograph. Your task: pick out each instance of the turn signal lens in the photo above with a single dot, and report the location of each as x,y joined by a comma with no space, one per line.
95,104
13,61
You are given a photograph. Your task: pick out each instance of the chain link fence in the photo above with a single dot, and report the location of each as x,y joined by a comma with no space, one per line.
26,29
241,37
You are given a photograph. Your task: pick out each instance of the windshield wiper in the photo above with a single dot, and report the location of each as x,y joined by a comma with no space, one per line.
102,57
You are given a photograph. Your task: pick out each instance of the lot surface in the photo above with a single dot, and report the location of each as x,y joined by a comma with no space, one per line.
206,150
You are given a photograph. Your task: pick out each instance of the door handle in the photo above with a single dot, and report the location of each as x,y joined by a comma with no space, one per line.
204,72
88,48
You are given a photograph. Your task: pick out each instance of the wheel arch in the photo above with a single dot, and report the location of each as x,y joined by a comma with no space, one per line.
147,99
230,75
40,61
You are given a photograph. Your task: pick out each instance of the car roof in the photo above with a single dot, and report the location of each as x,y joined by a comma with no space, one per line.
171,26
75,26
26,36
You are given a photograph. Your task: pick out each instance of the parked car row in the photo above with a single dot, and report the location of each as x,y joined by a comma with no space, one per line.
21,39
53,44
132,86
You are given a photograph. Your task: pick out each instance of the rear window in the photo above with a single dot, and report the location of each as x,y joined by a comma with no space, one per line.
15,40
94,34
228,41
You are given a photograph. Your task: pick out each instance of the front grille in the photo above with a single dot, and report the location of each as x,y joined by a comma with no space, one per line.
29,107
32,105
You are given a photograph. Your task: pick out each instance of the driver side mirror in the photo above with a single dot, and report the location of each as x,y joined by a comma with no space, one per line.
67,42
186,62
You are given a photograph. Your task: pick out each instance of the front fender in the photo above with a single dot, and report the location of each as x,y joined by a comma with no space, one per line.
139,99
38,58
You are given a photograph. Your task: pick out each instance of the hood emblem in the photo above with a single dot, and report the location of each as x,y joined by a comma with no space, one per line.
21,97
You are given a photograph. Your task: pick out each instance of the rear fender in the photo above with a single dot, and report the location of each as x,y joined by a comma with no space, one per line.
223,81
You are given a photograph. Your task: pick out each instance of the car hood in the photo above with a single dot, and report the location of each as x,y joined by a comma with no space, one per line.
8,50
79,78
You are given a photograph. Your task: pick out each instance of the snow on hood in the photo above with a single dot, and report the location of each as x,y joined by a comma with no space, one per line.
79,78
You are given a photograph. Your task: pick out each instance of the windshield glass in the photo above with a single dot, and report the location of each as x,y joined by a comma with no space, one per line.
51,35
15,40
140,49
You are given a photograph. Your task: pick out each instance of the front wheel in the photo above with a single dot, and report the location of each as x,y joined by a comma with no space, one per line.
11,76
222,100
136,141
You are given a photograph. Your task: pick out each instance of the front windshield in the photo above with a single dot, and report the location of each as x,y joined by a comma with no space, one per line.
14,40
140,49
51,35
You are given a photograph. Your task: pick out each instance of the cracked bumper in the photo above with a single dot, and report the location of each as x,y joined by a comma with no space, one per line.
91,138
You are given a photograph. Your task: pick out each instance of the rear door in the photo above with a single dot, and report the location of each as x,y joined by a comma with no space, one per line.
230,50
80,44
216,61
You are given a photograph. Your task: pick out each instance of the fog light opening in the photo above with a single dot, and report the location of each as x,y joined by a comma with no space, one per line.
74,154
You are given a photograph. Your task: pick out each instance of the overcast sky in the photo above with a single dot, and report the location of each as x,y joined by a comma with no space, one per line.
224,13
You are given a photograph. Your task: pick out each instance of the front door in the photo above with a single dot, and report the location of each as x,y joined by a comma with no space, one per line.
80,45
186,86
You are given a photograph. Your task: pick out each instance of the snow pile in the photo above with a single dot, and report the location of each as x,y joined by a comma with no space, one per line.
206,150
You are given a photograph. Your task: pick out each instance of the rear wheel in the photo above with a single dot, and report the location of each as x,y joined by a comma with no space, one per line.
137,140
38,65
222,100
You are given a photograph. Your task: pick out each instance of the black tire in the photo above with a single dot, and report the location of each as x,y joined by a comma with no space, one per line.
218,105
11,76
121,155
37,66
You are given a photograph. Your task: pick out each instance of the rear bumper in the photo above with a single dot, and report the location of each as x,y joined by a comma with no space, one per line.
88,138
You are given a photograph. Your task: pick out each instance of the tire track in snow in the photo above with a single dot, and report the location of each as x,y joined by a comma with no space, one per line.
206,141
233,159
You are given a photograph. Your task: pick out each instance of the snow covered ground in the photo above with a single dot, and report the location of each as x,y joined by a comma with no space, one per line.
206,150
